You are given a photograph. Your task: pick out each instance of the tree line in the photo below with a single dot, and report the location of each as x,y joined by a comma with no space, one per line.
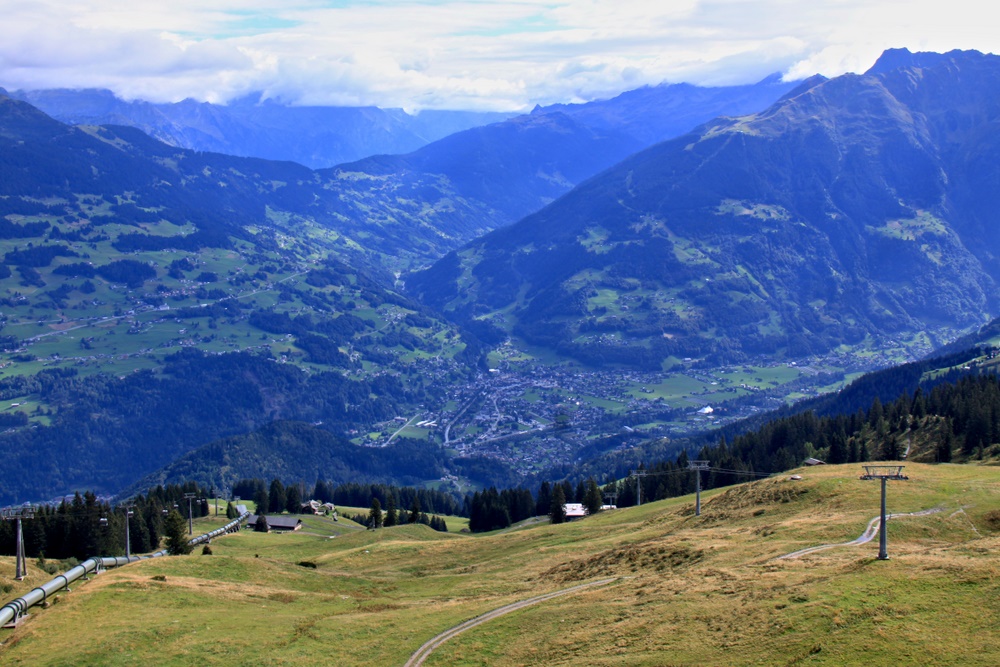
275,495
86,526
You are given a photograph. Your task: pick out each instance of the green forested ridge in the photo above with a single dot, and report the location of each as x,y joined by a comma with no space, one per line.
296,451
108,432
949,417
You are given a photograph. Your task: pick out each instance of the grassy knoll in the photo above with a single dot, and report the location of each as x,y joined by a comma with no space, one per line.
705,590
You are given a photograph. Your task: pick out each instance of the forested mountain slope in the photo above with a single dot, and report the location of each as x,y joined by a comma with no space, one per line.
155,299
853,207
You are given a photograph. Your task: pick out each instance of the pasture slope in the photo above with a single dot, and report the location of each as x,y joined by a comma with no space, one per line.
708,590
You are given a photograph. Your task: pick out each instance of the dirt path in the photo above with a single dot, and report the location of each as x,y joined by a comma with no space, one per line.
870,532
425,651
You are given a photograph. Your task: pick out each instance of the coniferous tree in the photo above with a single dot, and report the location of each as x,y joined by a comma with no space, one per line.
592,499
260,525
230,511
375,514
414,515
557,510
260,499
892,449
943,451
177,540
293,499
391,513
276,497
544,503
838,452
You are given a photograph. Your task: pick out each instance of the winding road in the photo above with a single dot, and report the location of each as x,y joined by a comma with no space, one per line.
870,532
425,651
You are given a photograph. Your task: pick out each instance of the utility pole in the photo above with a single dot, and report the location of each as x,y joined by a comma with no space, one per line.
17,514
128,538
638,485
190,497
697,466
884,473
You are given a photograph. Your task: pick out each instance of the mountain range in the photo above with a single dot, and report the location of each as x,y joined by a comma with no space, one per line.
252,126
138,278
853,207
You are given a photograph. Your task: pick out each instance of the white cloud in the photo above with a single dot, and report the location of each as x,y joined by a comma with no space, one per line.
496,54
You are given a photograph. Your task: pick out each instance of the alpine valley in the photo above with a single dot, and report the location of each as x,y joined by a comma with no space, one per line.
503,301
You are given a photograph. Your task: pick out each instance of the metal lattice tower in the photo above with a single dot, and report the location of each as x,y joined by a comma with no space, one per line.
883,473
17,514
697,466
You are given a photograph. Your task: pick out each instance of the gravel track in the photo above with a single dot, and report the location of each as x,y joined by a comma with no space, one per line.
425,651
870,532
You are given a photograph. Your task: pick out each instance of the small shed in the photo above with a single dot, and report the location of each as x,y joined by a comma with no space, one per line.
279,523
574,511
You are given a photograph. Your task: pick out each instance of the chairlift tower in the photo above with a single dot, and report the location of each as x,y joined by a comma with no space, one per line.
638,474
18,514
697,467
884,473
189,497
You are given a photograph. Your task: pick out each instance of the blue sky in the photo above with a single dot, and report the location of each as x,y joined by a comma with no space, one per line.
452,54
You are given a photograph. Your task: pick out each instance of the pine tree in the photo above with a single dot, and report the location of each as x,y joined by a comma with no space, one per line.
892,450
557,512
592,499
391,513
177,541
375,514
260,500
230,511
863,454
260,525
414,515
838,453
943,453
544,502
293,499
276,497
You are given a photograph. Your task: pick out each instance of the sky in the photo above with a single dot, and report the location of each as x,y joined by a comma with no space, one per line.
501,55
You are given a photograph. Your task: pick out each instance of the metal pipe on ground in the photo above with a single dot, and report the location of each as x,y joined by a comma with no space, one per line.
18,607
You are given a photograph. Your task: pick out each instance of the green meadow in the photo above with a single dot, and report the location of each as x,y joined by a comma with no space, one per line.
686,589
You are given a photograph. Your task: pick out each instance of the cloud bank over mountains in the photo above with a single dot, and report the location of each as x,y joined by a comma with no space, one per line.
455,54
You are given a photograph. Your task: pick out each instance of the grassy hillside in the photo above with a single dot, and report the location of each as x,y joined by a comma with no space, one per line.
689,590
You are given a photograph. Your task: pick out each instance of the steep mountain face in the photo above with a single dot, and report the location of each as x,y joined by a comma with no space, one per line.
505,170
317,137
861,205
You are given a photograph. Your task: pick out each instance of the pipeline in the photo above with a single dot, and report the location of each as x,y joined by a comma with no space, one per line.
18,607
